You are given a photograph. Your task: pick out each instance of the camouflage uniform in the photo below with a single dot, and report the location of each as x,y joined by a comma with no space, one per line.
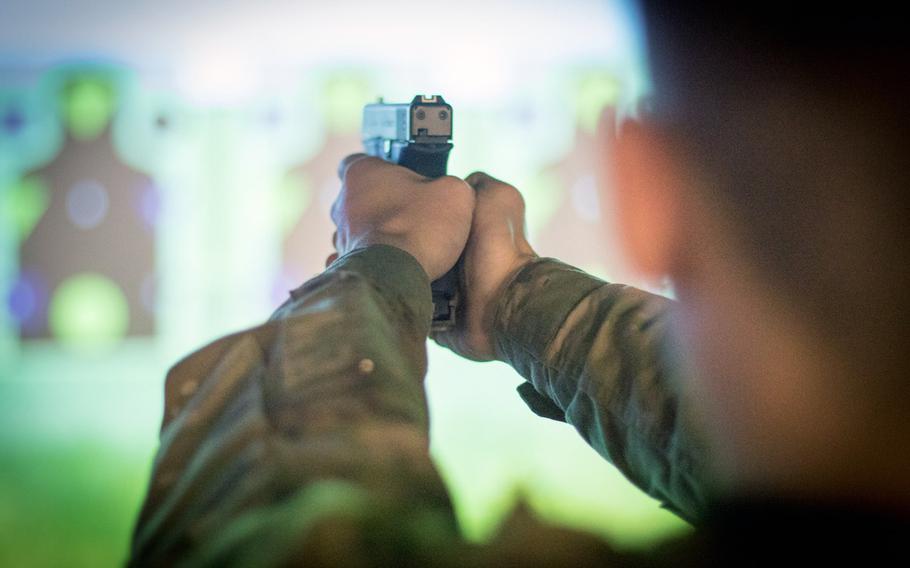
304,441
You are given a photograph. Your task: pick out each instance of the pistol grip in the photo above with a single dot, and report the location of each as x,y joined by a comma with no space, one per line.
431,160
445,299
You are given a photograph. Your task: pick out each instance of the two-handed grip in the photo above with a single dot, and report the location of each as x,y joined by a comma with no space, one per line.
431,160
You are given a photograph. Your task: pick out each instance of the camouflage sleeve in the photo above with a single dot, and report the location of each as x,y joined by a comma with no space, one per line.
280,441
600,357
304,441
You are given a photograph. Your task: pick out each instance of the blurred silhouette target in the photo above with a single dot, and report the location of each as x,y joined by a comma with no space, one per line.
96,216
307,232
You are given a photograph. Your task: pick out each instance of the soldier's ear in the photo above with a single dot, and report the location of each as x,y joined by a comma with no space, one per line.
648,193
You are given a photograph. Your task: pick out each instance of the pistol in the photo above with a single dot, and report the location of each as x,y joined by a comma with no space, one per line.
418,136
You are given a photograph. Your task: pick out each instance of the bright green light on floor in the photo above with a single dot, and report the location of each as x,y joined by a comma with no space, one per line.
88,104
89,312
27,201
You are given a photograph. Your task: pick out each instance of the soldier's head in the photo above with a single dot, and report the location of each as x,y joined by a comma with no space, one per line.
769,177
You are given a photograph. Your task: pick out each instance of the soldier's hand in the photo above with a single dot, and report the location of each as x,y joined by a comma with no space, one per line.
496,250
382,203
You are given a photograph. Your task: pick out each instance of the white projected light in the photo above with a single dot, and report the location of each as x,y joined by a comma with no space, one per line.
219,75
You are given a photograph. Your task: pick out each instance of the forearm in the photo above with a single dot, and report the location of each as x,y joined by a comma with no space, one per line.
320,412
601,354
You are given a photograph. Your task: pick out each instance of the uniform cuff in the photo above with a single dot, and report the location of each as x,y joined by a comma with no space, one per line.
533,308
397,275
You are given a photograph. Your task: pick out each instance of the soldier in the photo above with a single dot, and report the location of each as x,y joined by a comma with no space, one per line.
768,180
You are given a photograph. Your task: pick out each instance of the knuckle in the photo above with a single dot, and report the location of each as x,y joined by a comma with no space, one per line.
479,179
483,181
511,193
508,196
353,174
358,169
451,182
459,188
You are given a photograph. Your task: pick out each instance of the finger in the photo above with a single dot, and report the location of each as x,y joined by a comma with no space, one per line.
447,339
333,212
346,163
479,180
361,160
330,259
488,189
442,338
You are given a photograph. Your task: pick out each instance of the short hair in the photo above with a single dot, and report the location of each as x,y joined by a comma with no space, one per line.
799,119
